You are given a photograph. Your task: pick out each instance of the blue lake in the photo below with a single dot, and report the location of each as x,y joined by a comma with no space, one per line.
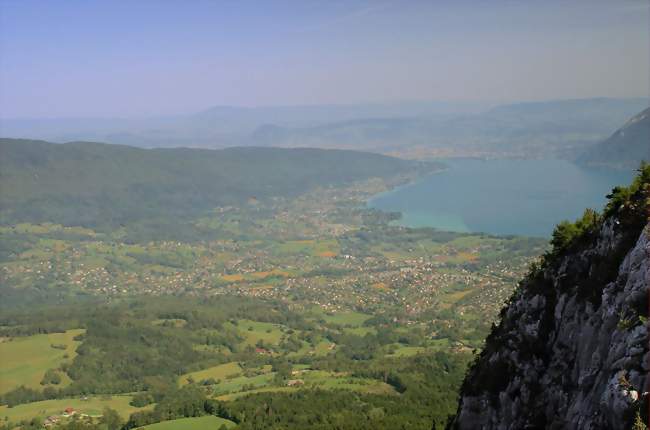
522,197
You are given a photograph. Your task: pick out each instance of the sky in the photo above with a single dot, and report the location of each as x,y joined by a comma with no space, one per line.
140,58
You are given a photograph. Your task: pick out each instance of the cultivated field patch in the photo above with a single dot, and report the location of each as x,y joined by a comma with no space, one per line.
26,359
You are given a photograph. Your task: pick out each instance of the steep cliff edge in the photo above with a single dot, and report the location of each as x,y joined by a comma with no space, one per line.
571,350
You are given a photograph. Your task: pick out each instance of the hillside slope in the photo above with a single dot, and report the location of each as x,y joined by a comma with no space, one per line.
571,350
95,184
626,147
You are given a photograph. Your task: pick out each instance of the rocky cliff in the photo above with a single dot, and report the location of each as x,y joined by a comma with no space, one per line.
571,349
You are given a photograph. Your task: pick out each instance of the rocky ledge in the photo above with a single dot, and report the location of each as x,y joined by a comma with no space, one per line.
571,349
563,357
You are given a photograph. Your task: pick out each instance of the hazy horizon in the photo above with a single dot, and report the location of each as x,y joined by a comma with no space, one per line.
124,60
468,106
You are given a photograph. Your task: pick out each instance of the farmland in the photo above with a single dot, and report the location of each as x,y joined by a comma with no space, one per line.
200,423
26,359
314,297
223,371
92,406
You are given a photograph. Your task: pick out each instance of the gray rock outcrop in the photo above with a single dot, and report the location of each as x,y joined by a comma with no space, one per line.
571,350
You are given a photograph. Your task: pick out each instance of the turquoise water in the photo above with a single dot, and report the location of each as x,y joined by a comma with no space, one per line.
522,197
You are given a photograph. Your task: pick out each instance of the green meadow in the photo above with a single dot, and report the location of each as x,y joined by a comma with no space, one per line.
209,422
347,318
243,383
25,360
255,331
223,371
312,379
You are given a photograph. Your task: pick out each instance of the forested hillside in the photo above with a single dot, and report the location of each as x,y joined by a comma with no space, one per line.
100,185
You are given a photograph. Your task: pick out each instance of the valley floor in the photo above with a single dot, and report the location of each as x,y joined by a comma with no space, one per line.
314,299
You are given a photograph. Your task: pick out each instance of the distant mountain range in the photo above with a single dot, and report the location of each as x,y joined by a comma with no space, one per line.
626,147
561,128
219,126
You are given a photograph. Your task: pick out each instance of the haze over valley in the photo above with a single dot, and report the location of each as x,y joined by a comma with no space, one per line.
357,215
555,129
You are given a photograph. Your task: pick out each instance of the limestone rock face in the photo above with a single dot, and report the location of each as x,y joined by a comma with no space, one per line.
571,350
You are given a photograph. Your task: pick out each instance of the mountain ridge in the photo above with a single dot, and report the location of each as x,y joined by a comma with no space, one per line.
626,147
555,127
85,183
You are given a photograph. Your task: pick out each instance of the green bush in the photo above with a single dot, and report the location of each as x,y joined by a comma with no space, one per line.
51,377
567,233
632,198
629,204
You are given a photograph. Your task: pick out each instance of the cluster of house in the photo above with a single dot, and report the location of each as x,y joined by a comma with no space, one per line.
54,420
264,351
51,421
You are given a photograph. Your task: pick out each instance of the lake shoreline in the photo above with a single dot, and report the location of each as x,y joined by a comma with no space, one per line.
499,197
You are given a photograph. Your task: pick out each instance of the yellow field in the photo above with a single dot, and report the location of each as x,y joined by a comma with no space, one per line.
455,296
274,272
223,371
380,286
467,256
23,361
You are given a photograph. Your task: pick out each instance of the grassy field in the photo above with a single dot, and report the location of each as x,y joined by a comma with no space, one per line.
332,381
360,331
223,371
407,351
455,296
209,422
270,275
254,331
92,406
237,384
315,248
323,347
25,360
347,318
312,379
233,396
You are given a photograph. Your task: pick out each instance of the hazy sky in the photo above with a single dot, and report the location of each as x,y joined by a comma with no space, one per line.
126,58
